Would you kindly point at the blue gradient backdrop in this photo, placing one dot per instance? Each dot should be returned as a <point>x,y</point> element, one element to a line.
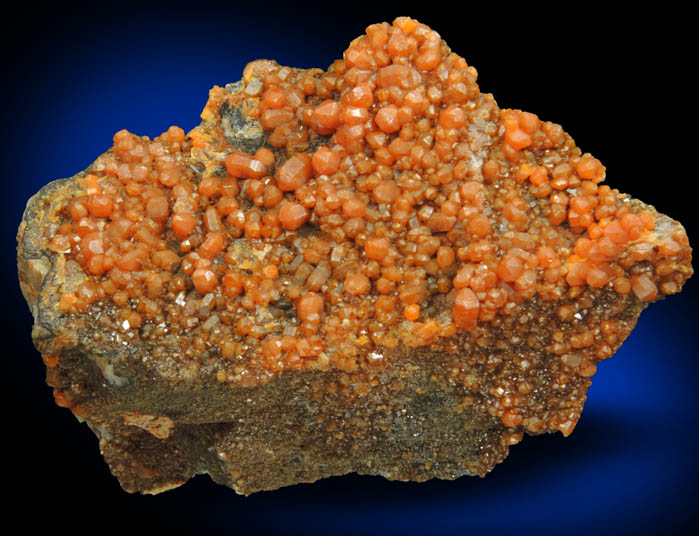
<point>73,77</point>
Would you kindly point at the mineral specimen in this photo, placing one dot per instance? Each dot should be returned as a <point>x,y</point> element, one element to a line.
<point>370,269</point>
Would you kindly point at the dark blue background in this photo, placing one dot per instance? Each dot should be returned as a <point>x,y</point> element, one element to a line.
<point>75,76</point>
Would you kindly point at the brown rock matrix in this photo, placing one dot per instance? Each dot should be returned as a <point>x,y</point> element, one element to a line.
<point>371,269</point>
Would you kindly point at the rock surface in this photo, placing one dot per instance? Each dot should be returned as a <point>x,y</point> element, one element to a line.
<point>372,269</point>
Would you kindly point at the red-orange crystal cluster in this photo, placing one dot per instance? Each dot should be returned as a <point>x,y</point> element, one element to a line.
<point>386,203</point>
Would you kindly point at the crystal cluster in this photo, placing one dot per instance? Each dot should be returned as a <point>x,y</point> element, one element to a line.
<point>345,227</point>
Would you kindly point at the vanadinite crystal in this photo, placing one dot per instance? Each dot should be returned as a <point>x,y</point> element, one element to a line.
<point>370,269</point>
